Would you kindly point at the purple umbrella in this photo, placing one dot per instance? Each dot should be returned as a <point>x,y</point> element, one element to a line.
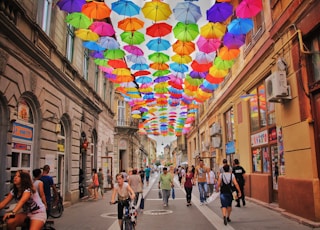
<point>133,50</point>
<point>234,41</point>
<point>219,12</point>
<point>97,54</point>
<point>71,6</point>
<point>161,79</point>
<point>198,75</point>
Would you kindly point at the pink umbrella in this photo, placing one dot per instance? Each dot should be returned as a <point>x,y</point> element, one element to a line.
<point>208,45</point>
<point>102,28</point>
<point>133,50</point>
<point>248,8</point>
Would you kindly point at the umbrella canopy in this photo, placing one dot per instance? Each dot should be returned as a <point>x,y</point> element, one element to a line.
<point>159,66</point>
<point>183,48</point>
<point>139,67</point>
<point>126,8</point>
<point>156,10</point>
<point>213,30</point>
<point>198,74</point>
<point>208,45</point>
<point>133,50</point>
<point>185,32</point>
<point>117,63</point>
<point>142,73</point>
<point>234,41</point>
<point>248,8</point>
<point>132,38</point>
<point>200,67</point>
<point>228,54</point>
<point>160,73</point>
<point>137,59</point>
<point>181,59</point>
<point>215,72</point>
<point>158,44</point>
<point>92,46</point>
<point>102,28</point>
<point>205,58</point>
<point>96,10</point>
<point>223,64</point>
<point>86,35</point>
<point>240,25</point>
<point>159,57</point>
<point>78,20</point>
<point>143,80</point>
<point>159,29</point>
<point>114,54</point>
<point>182,68</point>
<point>187,12</point>
<point>130,24</point>
<point>71,6</point>
<point>108,43</point>
<point>219,12</point>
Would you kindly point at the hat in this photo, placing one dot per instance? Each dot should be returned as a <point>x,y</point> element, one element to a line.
<point>164,168</point>
<point>224,161</point>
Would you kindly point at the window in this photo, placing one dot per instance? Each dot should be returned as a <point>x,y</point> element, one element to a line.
<point>86,59</point>
<point>70,42</point>
<point>44,15</point>
<point>104,94</point>
<point>96,79</point>
<point>121,113</point>
<point>254,34</point>
<point>258,112</point>
<point>229,119</point>
<point>315,58</point>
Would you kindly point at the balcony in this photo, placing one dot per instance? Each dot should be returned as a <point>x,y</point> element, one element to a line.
<point>126,127</point>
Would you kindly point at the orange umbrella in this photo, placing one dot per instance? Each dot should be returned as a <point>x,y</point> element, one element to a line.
<point>123,78</point>
<point>159,66</point>
<point>213,30</point>
<point>183,48</point>
<point>213,79</point>
<point>96,10</point>
<point>130,24</point>
<point>228,54</point>
<point>86,35</point>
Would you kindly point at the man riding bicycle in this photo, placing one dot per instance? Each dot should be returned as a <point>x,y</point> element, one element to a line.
<point>124,192</point>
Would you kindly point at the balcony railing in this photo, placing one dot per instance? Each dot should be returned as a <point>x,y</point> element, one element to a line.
<point>128,124</point>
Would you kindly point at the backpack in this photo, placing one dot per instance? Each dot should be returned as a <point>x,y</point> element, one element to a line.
<point>226,188</point>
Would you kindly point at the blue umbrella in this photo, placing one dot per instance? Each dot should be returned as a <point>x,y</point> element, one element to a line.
<point>93,46</point>
<point>127,8</point>
<point>240,25</point>
<point>187,12</point>
<point>143,80</point>
<point>219,12</point>
<point>158,44</point>
<point>182,68</point>
<point>108,43</point>
<point>139,66</point>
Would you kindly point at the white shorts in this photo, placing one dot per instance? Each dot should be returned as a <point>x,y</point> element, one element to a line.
<point>42,216</point>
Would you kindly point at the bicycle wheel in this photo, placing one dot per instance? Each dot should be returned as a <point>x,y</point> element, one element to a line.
<point>56,209</point>
<point>128,225</point>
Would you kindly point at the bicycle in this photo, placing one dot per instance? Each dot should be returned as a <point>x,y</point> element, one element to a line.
<point>129,215</point>
<point>56,207</point>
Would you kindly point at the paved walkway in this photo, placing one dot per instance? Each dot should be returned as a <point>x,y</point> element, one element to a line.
<point>101,215</point>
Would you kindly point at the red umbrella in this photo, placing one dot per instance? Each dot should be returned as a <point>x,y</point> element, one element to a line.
<point>159,29</point>
<point>200,67</point>
<point>117,63</point>
<point>142,73</point>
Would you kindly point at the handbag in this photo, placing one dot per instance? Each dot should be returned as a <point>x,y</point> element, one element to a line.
<point>173,194</point>
<point>160,194</point>
<point>142,203</point>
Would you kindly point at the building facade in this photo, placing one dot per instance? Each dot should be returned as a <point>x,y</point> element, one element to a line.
<point>273,132</point>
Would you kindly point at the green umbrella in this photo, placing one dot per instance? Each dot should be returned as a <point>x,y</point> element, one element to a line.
<point>101,62</point>
<point>161,73</point>
<point>132,38</point>
<point>78,20</point>
<point>186,32</point>
<point>223,64</point>
<point>159,57</point>
<point>114,54</point>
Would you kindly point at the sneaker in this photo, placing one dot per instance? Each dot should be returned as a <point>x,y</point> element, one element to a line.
<point>238,205</point>
<point>205,202</point>
<point>225,220</point>
<point>165,205</point>
<point>201,203</point>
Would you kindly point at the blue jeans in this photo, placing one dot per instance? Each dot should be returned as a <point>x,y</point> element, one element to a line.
<point>203,188</point>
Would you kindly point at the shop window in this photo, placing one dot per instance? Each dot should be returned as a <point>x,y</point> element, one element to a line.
<point>229,120</point>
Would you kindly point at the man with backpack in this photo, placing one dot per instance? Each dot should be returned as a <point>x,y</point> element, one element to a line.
<point>238,172</point>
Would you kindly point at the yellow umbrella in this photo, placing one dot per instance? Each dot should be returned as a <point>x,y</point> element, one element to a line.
<point>137,116</point>
<point>146,90</point>
<point>213,30</point>
<point>121,71</point>
<point>156,10</point>
<point>86,35</point>
<point>214,71</point>
<point>228,54</point>
<point>181,59</point>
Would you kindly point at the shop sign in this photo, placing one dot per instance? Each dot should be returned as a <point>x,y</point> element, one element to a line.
<point>19,146</point>
<point>22,132</point>
<point>259,138</point>
<point>60,148</point>
<point>230,147</point>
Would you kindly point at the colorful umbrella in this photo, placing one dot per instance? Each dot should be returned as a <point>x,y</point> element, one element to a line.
<point>92,46</point>
<point>97,54</point>
<point>205,58</point>
<point>183,48</point>
<point>86,35</point>
<point>139,67</point>
<point>144,80</point>
<point>159,66</point>
<point>96,10</point>
<point>198,74</point>
<point>142,73</point>
<point>133,50</point>
<point>130,24</point>
<point>185,32</point>
<point>78,20</point>
<point>160,73</point>
<point>234,41</point>
<point>159,29</point>
<point>137,59</point>
<point>223,64</point>
<point>219,12</point>
<point>200,67</point>
<point>215,72</point>
<point>213,30</point>
<point>208,45</point>
<point>121,71</point>
<point>101,62</point>
<point>71,6</point>
<point>132,38</point>
<point>156,10</point>
<point>228,54</point>
<point>114,54</point>
<point>181,59</point>
<point>117,63</point>
<point>126,8</point>
<point>108,43</point>
<point>161,79</point>
<point>102,28</point>
<point>182,68</point>
<point>159,57</point>
<point>240,25</point>
<point>248,8</point>
<point>187,12</point>
<point>158,44</point>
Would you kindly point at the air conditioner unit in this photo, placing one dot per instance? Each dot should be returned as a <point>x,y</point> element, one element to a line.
<point>216,141</point>
<point>215,129</point>
<point>276,86</point>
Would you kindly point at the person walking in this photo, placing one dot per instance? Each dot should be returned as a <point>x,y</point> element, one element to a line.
<point>211,180</point>
<point>201,174</point>
<point>165,183</point>
<point>188,184</point>
<point>225,182</point>
<point>48,185</point>
<point>147,173</point>
<point>28,199</point>
<point>141,172</point>
<point>93,187</point>
<point>38,184</point>
<point>239,172</point>
<point>136,184</point>
<point>101,179</point>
